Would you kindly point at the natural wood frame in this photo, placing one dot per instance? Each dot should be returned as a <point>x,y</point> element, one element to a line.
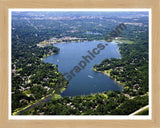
<point>6,4</point>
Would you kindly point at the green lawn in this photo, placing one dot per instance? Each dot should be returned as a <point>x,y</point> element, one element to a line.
<point>144,112</point>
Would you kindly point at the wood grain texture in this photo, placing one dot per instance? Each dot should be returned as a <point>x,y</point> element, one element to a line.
<point>6,4</point>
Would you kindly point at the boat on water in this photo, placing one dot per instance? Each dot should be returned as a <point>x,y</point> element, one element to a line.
<point>90,76</point>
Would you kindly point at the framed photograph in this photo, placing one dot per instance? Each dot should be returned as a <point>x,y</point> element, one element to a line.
<point>85,64</point>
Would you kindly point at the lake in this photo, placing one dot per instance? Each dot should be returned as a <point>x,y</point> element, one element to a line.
<point>86,81</point>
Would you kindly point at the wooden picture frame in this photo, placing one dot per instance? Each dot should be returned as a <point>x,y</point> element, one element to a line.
<point>4,55</point>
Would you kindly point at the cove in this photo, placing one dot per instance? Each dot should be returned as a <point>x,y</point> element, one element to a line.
<point>86,81</point>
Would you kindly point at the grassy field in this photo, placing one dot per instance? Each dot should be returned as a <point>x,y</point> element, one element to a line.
<point>144,112</point>
<point>124,41</point>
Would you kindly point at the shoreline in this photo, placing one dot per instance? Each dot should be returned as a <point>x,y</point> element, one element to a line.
<point>19,110</point>
<point>116,41</point>
<point>48,55</point>
<point>108,74</point>
<point>104,72</point>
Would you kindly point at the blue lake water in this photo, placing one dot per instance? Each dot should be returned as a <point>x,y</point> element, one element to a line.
<point>86,81</point>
